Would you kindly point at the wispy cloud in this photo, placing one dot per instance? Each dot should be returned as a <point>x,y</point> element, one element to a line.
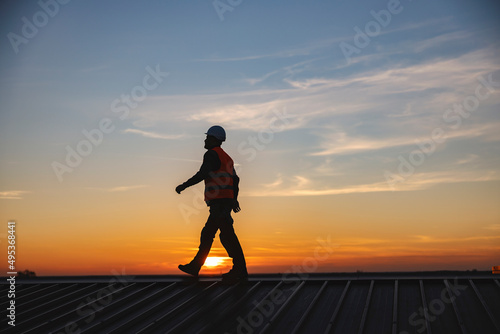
<point>493,227</point>
<point>126,188</point>
<point>441,40</point>
<point>278,182</point>
<point>313,47</point>
<point>303,186</point>
<point>456,73</point>
<point>405,113</point>
<point>286,71</point>
<point>243,58</point>
<point>119,189</point>
<point>308,83</point>
<point>434,239</point>
<point>253,81</point>
<point>301,50</point>
<point>415,89</point>
<point>338,142</point>
<point>13,194</point>
<point>254,117</point>
<point>468,159</point>
<point>154,134</point>
<point>439,21</point>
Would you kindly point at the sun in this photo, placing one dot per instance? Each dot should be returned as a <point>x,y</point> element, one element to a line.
<point>214,261</point>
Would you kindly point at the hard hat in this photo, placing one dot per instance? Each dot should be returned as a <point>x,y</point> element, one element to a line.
<point>217,132</point>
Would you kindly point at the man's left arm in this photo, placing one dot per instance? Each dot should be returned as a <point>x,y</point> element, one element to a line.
<point>236,190</point>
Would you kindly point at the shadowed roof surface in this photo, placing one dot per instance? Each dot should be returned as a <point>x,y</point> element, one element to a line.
<point>437,302</point>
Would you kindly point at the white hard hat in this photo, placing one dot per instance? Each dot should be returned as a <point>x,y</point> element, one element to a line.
<point>217,132</point>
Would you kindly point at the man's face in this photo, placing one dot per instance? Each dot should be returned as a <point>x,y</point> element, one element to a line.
<point>211,142</point>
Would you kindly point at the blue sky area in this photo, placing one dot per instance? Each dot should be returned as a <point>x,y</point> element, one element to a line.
<point>262,56</point>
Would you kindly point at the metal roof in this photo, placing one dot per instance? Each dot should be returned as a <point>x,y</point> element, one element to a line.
<point>449,302</point>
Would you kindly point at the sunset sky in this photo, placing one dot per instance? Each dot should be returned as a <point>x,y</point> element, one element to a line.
<point>365,133</point>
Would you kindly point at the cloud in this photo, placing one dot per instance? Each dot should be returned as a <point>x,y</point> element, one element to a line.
<point>468,159</point>
<point>253,81</point>
<point>433,239</point>
<point>351,114</point>
<point>329,168</point>
<point>493,227</point>
<point>418,90</point>
<point>231,59</point>
<point>338,142</point>
<point>457,73</point>
<point>308,83</point>
<point>441,40</point>
<point>324,44</point>
<point>303,50</point>
<point>405,113</point>
<point>254,117</point>
<point>302,186</point>
<point>286,70</point>
<point>119,189</point>
<point>13,194</point>
<point>126,188</point>
<point>153,134</point>
<point>276,183</point>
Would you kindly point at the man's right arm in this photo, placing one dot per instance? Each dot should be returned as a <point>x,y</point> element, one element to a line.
<point>210,161</point>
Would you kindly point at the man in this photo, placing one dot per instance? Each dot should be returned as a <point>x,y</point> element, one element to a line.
<point>221,195</point>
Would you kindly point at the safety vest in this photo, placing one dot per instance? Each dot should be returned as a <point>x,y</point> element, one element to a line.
<point>219,183</point>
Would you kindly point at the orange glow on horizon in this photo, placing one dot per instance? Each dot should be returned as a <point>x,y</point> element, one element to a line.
<point>134,241</point>
<point>374,256</point>
<point>215,261</point>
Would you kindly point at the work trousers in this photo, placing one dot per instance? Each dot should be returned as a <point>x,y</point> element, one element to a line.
<point>220,219</point>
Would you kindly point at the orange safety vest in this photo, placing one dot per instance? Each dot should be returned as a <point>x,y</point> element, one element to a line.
<point>219,183</point>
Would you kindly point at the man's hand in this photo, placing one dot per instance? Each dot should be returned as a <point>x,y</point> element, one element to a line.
<point>180,188</point>
<point>236,206</point>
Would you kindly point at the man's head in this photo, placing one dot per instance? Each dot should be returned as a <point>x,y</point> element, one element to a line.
<point>215,136</point>
<point>211,142</point>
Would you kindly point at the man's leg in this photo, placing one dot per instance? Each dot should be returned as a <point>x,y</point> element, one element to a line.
<point>207,237</point>
<point>231,243</point>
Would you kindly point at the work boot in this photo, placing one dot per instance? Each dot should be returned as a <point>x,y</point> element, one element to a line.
<point>190,269</point>
<point>236,275</point>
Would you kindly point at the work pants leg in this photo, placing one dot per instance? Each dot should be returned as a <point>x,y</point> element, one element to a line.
<point>230,241</point>
<point>207,238</point>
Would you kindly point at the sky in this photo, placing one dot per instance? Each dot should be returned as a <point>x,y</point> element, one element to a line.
<point>365,133</point>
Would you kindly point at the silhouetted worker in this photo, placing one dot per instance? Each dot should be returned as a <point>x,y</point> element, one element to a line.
<point>221,195</point>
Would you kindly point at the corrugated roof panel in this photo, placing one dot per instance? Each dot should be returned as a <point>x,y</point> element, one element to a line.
<point>349,317</point>
<point>297,308</point>
<point>324,308</point>
<point>409,302</point>
<point>379,318</point>
<point>471,311</point>
<point>441,316</point>
<point>364,304</point>
<point>490,299</point>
